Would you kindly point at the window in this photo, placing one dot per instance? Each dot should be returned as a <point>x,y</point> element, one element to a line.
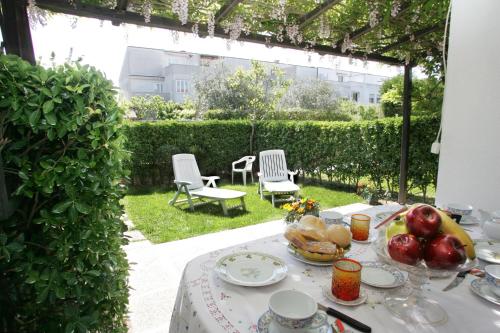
<point>340,77</point>
<point>378,99</point>
<point>371,99</point>
<point>181,86</point>
<point>355,96</point>
<point>159,87</point>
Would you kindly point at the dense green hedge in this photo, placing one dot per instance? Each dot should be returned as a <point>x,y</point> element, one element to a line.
<point>344,151</point>
<point>62,268</point>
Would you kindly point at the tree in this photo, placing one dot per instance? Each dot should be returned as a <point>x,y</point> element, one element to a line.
<point>249,93</point>
<point>427,96</point>
<point>311,94</point>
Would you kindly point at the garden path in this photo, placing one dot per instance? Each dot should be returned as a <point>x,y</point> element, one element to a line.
<point>156,269</point>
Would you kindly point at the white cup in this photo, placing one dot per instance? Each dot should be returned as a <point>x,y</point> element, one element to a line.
<point>331,217</point>
<point>292,309</point>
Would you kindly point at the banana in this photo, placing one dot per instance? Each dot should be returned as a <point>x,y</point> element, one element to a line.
<point>450,227</point>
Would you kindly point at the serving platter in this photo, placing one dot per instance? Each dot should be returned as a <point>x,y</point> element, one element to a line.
<point>301,258</point>
<point>251,269</point>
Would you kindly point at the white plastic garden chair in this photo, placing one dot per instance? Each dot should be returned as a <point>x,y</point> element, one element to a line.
<point>246,169</point>
<point>273,176</point>
<point>190,182</point>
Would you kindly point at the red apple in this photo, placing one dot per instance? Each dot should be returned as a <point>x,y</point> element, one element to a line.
<point>444,252</point>
<point>405,248</point>
<point>423,221</point>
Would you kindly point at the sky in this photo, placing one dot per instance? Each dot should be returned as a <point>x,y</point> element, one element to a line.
<point>103,46</point>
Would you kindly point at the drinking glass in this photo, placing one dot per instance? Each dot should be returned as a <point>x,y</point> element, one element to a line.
<point>360,226</point>
<point>346,279</point>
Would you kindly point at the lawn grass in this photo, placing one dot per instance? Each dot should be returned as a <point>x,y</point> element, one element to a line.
<point>160,222</point>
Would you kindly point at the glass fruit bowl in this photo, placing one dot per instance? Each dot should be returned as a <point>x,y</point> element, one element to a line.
<point>411,303</point>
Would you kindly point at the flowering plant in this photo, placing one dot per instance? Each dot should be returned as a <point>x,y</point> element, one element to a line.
<point>299,208</point>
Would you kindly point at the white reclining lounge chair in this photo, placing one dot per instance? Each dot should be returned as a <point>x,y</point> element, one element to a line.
<point>273,176</point>
<point>190,182</point>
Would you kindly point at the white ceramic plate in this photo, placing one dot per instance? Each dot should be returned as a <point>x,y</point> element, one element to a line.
<point>481,288</point>
<point>489,253</point>
<point>380,275</point>
<point>265,324</point>
<point>251,269</point>
<point>307,261</point>
<point>327,292</point>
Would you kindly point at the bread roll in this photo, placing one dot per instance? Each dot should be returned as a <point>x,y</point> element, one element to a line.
<point>312,222</point>
<point>339,235</point>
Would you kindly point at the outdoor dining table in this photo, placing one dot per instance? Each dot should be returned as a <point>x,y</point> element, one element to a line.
<point>205,303</point>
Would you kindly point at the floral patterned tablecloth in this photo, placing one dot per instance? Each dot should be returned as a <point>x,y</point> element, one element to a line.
<point>205,303</point>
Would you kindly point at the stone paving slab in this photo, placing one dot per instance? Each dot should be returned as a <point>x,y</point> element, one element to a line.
<point>156,269</point>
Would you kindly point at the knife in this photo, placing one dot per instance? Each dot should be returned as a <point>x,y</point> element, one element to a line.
<point>346,319</point>
<point>457,280</point>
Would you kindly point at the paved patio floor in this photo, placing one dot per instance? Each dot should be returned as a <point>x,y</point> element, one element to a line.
<point>155,270</point>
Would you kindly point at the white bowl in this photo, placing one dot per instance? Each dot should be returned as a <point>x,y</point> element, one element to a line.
<point>493,278</point>
<point>459,209</point>
<point>331,217</point>
<point>292,309</point>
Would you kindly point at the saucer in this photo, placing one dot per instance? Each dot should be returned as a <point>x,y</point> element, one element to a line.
<point>327,292</point>
<point>265,324</point>
<point>469,220</point>
<point>368,241</point>
<point>481,288</point>
<point>489,253</point>
<point>380,275</point>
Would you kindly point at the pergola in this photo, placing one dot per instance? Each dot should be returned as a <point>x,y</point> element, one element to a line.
<point>394,32</point>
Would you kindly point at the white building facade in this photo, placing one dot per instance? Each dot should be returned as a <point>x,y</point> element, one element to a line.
<point>172,74</point>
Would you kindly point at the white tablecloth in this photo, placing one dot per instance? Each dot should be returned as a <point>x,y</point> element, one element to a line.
<point>207,304</point>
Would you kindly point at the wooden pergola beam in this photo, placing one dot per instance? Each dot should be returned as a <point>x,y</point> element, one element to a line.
<point>356,34</point>
<point>225,10</point>
<point>121,5</point>
<point>16,30</point>
<point>405,136</point>
<point>367,28</point>
<point>308,18</point>
<point>102,13</point>
<point>414,36</point>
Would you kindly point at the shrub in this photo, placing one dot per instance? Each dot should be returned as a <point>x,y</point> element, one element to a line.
<point>427,96</point>
<point>308,114</point>
<point>157,108</point>
<point>343,151</point>
<point>62,268</point>
<point>216,144</point>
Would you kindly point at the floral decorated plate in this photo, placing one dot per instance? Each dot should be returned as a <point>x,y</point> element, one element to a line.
<point>488,253</point>
<point>251,269</point>
<point>266,324</point>
<point>327,292</point>
<point>481,288</point>
<point>380,275</point>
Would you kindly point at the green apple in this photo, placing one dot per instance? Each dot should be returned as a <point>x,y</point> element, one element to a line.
<point>396,227</point>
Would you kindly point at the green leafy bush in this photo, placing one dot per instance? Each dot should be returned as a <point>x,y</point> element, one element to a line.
<point>343,151</point>
<point>427,96</point>
<point>62,268</point>
<point>156,108</point>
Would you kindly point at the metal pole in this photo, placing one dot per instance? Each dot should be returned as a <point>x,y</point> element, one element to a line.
<point>16,29</point>
<point>405,136</point>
